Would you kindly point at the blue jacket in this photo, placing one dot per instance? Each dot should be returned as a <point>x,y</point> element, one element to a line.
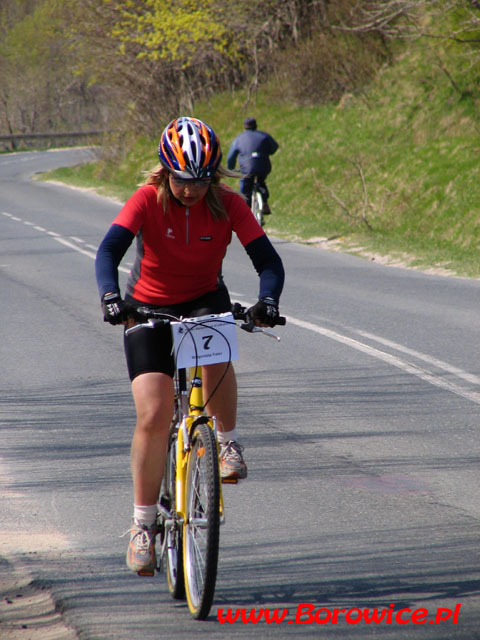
<point>253,149</point>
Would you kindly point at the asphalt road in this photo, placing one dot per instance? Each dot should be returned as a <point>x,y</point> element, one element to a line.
<point>361,433</point>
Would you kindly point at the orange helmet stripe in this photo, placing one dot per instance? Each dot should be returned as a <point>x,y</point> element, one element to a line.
<point>176,146</point>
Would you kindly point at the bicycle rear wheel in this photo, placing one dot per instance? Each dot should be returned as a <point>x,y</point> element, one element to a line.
<point>257,206</point>
<point>173,549</point>
<point>202,525</point>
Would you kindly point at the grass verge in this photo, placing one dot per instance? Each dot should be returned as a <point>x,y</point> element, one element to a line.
<point>392,171</point>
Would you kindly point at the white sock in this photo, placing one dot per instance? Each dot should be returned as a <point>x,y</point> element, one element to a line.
<point>145,514</point>
<point>225,436</point>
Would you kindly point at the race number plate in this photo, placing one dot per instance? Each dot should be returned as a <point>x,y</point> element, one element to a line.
<point>205,340</point>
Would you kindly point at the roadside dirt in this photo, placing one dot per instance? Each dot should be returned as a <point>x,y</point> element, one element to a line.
<point>27,610</point>
<point>403,260</point>
<point>93,190</point>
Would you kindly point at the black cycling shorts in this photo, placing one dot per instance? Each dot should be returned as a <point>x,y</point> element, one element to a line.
<point>150,350</point>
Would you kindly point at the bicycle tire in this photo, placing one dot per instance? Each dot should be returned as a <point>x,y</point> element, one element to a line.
<point>202,523</point>
<point>257,206</point>
<point>174,547</point>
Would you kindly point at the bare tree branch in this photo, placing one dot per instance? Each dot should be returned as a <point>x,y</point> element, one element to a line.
<point>392,19</point>
<point>358,167</point>
<point>365,204</point>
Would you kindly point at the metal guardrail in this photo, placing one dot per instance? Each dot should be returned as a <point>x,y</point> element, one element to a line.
<point>15,138</point>
<point>68,134</point>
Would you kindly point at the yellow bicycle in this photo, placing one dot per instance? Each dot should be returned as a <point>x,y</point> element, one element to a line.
<point>190,505</point>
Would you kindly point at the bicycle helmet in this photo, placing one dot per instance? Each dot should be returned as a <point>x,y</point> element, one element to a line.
<point>189,148</point>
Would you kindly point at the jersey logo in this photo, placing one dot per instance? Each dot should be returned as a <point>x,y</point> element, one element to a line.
<point>206,238</point>
<point>170,234</point>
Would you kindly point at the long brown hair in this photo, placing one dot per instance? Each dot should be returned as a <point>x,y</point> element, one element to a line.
<point>158,176</point>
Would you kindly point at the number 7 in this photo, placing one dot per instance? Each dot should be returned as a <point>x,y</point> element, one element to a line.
<point>206,342</point>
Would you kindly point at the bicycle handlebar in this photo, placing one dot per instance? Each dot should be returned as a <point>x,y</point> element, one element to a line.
<point>239,312</point>
<point>145,313</point>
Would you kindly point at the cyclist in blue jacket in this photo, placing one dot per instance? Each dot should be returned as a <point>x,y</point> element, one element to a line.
<point>253,149</point>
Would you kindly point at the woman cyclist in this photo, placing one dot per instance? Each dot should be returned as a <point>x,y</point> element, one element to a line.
<point>182,218</point>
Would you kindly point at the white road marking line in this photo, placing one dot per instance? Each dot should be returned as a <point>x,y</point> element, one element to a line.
<point>85,252</point>
<point>69,244</point>
<point>427,376</point>
<point>469,377</point>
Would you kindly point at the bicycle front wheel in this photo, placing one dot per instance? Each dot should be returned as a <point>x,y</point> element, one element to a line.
<point>202,524</point>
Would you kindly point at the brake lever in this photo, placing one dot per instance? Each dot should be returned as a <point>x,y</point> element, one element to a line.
<point>268,333</point>
<point>251,328</point>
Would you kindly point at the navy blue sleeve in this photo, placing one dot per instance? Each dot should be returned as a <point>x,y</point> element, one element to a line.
<point>232,155</point>
<point>109,255</point>
<point>273,145</point>
<point>269,267</point>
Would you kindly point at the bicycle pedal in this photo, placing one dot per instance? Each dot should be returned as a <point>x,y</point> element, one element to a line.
<point>146,573</point>
<point>229,480</point>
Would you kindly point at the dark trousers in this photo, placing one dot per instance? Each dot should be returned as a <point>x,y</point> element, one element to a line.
<point>246,187</point>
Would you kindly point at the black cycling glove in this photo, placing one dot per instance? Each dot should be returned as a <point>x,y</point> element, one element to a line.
<point>113,308</point>
<point>265,311</point>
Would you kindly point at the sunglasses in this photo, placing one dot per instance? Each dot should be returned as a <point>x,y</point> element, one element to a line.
<point>190,182</point>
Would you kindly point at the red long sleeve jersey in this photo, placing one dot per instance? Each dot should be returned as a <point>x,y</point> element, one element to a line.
<point>180,251</point>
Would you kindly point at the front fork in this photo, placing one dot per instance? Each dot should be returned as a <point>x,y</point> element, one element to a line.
<point>192,412</point>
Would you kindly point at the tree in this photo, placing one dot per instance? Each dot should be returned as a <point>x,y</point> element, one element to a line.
<point>34,47</point>
<point>161,56</point>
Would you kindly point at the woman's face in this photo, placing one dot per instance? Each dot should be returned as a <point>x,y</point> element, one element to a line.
<point>189,191</point>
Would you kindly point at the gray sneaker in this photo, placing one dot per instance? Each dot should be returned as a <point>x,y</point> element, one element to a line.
<point>232,464</point>
<point>141,549</point>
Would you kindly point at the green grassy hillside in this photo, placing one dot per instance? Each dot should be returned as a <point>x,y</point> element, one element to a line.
<point>393,170</point>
